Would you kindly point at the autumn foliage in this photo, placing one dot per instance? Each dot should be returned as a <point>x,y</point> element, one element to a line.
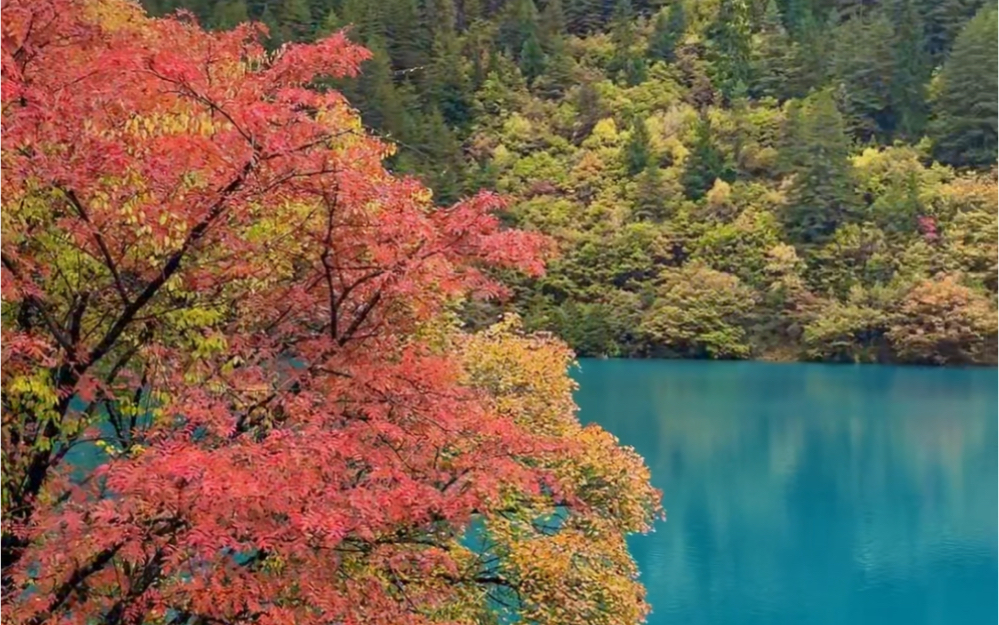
<point>232,392</point>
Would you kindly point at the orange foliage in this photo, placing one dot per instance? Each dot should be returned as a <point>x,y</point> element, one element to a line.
<point>941,321</point>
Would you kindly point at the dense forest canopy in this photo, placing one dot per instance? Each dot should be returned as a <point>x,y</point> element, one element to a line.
<point>726,178</point>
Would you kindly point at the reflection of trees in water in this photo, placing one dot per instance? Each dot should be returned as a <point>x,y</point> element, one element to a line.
<point>838,471</point>
<point>947,464</point>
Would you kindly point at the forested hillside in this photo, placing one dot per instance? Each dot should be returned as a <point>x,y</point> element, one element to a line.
<point>790,179</point>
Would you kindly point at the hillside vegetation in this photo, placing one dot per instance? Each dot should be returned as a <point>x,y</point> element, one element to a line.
<point>792,179</point>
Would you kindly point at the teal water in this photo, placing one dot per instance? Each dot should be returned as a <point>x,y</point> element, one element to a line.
<point>810,494</point>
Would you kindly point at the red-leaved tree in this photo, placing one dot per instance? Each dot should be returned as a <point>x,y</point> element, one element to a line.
<point>230,392</point>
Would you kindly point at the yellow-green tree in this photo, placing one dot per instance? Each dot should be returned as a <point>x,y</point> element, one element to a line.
<point>698,312</point>
<point>558,555</point>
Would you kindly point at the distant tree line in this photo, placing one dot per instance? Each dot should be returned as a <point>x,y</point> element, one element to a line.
<point>727,178</point>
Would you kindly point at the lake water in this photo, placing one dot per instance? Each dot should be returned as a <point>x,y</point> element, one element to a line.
<point>810,494</point>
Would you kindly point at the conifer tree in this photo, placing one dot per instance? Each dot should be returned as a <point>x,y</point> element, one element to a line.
<point>627,63</point>
<point>589,110</point>
<point>442,158</point>
<point>637,152</point>
<point>964,130</point>
<point>705,163</point>
<point>667,32</point>
<point>229,14</point>
<point>862,65</point>
<point>408,41</point>
<point>816,155</point>
<point>650,200</point>
<point>810,48</point>
<point>635,71</point>
<point>378,100</point>
<point>552,23</point>
<point>773,56</point>
<point>269,19</point>
<point>364,19</point>
<point>731,46</point>
<point>584,16</point>
<point>520,22</point>
<point>532,58</point>
<point>943,21</point>
<point>910,72</point>
<point>330,23</point>
<point>447,77</point>
<point>295,20</point>
<point>799,16</point>
<point>559,74</point>
<point>440,16</point>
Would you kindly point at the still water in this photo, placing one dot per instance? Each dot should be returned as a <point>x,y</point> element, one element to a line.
<point>810,494</point>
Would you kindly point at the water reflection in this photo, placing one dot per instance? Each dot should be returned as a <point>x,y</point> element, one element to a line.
<point>811,494</point>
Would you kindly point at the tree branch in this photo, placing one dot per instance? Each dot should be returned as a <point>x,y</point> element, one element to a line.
<point>63,592</point>
<point>37,304</point>
<point>359,318</point>
<point>169,268</point>
<point>105,252</point>
<point>327,268</point>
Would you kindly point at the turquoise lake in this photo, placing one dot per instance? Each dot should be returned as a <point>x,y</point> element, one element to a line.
<point>810,494</point>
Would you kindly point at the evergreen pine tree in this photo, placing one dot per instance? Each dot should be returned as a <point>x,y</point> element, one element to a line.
<point>361,90</point>
<point>559,73</point>
<point>588,110</point>
<point>964,131</point>
<point>552,24</point>
<point>442,158</point>
<point>319,9</point>
<point>650,195</point>
<point>479,45</point>
<point>773,57</point>
<point>910,71</point>
<point>943,21</point>
<point>532,58</point>
<point>202,9</point>
<point>275,34</point>
<point>364,18</point>
<point>809,55</point>
<point>446,84</point>
<point>449,86</point>
<point>667,32</point>
<point>705,163</point>
<point>626,62</point>
<point>378,101</point>
<point>637,152</point>
<point>816,154</point>
<point>295,20</point>
<point>799,15</point>
<point>731,46</point>
<point>584,16</point>
<point>229,14</point>
<point>635,71</point>
<point>862,66</point>
<point>520,22</point>
<point>440,16</point>
<point>408,42</point>
<point>622,23</point>
<point>331,23</point>
<point>470,11</point>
